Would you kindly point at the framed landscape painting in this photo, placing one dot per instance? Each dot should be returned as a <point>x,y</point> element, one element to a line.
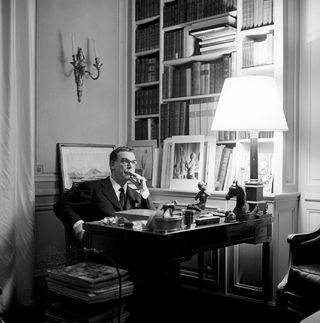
<point>187,162</point>
<point>82,162</point>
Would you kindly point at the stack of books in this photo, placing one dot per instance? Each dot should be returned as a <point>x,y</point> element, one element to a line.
<point>215,38</point>
<point>87,289</point>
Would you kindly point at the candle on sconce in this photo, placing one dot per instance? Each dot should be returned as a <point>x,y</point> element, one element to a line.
<point>95,48</point>
<point>72,43</point>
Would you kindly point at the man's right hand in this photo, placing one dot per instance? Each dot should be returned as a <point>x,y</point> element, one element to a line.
<point>78,229</point>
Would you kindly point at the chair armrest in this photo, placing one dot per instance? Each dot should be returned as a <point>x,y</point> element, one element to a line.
<point>304,247</point>
<point>296,238</point>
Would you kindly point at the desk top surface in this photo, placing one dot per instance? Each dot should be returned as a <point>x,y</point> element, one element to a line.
<point>139,217</point>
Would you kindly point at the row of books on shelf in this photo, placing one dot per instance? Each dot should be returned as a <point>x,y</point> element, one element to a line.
<point>147,37</point>
<point>193,117</point>
<point>147,129</point>
<point>199,38</point>
<point>258,51</point>
<point>186,160</point>
<point>240,135</point>
<point>182,11</point>
<point>227,135</point>
<point>147,8</point>
<point>261,134</point>
<point>147,101</point>
<point>224,172</point>
<point>147,70</point>
<point>256,13</point>
<point>198,78</point>
<point>234,164</point>
<point>178,44</point>
<point>201,113</point>
<point>187,118</point>
<point>174,119</point>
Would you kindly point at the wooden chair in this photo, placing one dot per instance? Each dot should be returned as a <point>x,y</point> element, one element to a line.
<point>299,291</point>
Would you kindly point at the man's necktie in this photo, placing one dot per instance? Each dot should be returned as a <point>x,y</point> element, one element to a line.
<point>122,198</point>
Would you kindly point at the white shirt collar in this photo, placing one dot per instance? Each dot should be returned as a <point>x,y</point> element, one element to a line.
<point>116,186</point>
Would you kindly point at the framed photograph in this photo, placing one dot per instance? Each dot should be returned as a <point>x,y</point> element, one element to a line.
<point>166,163</point>
<point>146,157</point>
<point>187,162</point>
<point>81,162</point>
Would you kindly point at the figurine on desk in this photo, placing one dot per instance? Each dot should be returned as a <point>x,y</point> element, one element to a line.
<point>202,196</point>
<point>168,208</point>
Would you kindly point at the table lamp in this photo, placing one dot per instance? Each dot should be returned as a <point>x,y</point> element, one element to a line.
<point>250,103</point>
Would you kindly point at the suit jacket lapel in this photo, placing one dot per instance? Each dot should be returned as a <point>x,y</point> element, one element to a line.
<point>110,194</point>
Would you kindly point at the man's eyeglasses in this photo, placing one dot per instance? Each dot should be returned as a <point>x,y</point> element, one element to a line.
<point>125,161</point>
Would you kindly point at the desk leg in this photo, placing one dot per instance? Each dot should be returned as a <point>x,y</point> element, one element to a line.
<point>266,277</point>
<point>200,270</point>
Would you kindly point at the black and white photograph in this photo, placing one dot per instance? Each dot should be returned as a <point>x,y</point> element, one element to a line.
<point>159,161</point>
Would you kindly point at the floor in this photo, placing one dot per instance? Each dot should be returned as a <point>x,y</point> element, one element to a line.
<point>192,308</point>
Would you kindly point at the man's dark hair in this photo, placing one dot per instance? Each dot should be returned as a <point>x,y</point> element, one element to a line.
<point>115,152</point>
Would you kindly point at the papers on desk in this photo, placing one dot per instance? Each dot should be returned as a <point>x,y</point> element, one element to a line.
<point>139,217</point>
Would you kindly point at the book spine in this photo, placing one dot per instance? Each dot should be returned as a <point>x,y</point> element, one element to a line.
<point>195,82</point>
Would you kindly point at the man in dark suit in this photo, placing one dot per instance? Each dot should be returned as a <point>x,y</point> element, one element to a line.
<point>97,199</point>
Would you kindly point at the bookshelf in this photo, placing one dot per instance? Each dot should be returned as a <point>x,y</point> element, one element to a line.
<point>199,44</point>
<point>231,271</point>
<point>146,42</point>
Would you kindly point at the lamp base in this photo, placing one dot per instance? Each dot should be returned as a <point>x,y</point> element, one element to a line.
<point>254,195</point>
<point>254,191</point>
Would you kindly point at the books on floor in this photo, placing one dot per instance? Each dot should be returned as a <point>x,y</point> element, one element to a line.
<point>69,312</point>
<point>89,282</point>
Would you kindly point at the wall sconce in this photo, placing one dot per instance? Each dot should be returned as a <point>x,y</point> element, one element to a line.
<point>79,68</point>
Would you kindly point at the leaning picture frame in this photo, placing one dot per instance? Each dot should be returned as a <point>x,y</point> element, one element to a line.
<point>147,158</point>
<point>187,164</point>
<point>82,162</point>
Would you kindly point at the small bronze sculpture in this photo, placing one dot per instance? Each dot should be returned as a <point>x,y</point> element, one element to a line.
<point>202,196</point>
<point>241,203</point>
<point>169,207</point>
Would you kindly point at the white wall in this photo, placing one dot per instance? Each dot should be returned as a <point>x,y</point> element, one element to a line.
<point>60,118</point>
<point>309,130</point>
<point>100,117</point>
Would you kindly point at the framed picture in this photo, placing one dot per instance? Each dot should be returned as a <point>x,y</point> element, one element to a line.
<point>187,162</point>
<point>145,152</point>
<point>81,162</point>
<point>166,163</point>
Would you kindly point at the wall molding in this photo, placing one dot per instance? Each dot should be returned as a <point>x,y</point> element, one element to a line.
<point>312,198</point>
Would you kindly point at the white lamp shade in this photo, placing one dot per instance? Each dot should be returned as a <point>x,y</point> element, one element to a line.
<point>249,103</point>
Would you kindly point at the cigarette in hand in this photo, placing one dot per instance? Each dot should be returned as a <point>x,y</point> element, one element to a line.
<point>136,177</point>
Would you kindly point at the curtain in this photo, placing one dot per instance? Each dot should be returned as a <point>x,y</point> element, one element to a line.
<point>17,142</point>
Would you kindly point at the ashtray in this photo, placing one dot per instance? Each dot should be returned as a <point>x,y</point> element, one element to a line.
<point>167,224</point>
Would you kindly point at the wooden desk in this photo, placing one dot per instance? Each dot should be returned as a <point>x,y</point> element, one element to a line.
<point>149,251</point>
